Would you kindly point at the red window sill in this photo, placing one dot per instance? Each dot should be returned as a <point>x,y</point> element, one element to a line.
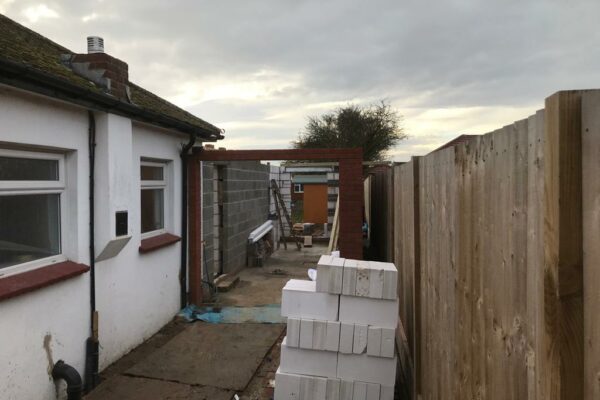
<point>26,282</point>
<point>158,242</point>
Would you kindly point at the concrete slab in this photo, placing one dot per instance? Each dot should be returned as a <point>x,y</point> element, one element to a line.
<point>221,355</point>
<point>121,387</point>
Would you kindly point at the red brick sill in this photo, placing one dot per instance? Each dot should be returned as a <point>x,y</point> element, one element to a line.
<point>158,242</point>
<point>26,282</point>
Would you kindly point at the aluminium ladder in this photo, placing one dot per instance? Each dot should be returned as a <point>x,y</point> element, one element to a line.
<point>280,206</point>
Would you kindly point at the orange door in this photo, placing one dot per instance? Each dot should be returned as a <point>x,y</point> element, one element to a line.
<point>315,203</point>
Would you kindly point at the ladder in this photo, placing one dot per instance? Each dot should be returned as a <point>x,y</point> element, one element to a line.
<point>279,207</point>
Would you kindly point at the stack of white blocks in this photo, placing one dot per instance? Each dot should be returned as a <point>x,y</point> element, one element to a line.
<point>340,333</point>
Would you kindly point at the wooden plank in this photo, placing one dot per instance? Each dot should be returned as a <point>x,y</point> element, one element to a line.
<point>563,275</point>
<point>590,117</point>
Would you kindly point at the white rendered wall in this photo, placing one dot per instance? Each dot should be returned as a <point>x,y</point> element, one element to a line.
<point>136,293</point>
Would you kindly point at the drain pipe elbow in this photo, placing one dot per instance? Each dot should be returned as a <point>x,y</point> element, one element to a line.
<point>70,375</point>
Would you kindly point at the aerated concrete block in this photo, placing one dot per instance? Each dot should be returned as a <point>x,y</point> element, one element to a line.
<point>306,333</point>
<point>374,341</point>
<point>367,311</point>
<point>362,367</point>
<point>376,283</point>
<point>363,273</point>
<point>388,342</point>
<point>373,390</point>
<point>293,332</point>
<point>313,388</point>
<point>308,362</point>
<point>349,277</point>
<point>329,274</point>
<point>360,391</point>
<point>390,278</point>
<point>332,340</point>
<point>319,335</point>
<point>387,393</point>
<point>300,299</point>
<point>333,389</point>
<point>346,389</point>
<point>346,338</point>
<point>287,386</point>
<point>360,339</point>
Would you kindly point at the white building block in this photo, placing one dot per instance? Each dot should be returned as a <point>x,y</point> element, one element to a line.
<point>376,283</point>
<point>293,332</point>
<point>373,390</point>
<point>360,391</point>
<point>313,388</point>
<point>360,339</point>
<point>287,386</point>
<point>346,389</point>
<point>333,389</point>
<point>301,300</point>
<point>374,341</point>
<point>363,273</point>
<point>387,393</point>
<point>319,335</point>
<point>366,311</point>
<point>329,274</point>
<point>306,334</point>
<point>346,338</point>
<point>308,362</point>
<point>390,279</point>
<point>332,339</point>
<point>367,369</point>
<point>388,342</point>
<point>349,277</point>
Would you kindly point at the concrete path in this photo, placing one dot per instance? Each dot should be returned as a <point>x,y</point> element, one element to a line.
<point>200,361</point>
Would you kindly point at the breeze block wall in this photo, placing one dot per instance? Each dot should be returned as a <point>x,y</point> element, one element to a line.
<point>245,207</point>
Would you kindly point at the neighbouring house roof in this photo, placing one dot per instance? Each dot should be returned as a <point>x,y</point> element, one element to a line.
<point>315,178</point>
<point>32,62</point>
<point>456,141</point>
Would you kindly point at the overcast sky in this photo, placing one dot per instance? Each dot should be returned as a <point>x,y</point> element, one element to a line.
<point>259,68</point>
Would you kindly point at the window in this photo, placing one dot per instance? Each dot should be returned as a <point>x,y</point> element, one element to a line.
<point>31,189</point>
<point>153,189</point>
<point>298,188</point>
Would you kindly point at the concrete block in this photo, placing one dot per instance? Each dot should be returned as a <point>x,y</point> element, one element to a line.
<point>363,274</point>
<point>306,334</point>
<point>349,277</point>
<point>388,342</point>
<point>301,300</point>
<point>332,339</point>
<point>360,339</point>
<point>308,362</point>
<point>333,389</point>
<point>330,274</point>
<point>361,367</point>
<point>360,391</point>
<point>346,338</point>
<point>313,388</point>
<point>374,341</point>
<point>390,278</point>
<point>293,332</point>
<point>319,335</point>
<point>376,283</point>
<point>287,386</point>
<point>387,393</point>
<point>366,311</point>
<point>346,389</point>
<point>373,390</point>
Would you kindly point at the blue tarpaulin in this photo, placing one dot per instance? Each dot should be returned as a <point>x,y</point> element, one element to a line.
<point>267,314</point>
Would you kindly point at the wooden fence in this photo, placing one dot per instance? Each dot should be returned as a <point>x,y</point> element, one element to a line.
<point>497,242</point>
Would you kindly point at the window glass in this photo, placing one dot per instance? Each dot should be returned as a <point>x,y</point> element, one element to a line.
<point>28,169</point>
<point>29,228</point>
<point>151,173</point>
<point>152,210</point>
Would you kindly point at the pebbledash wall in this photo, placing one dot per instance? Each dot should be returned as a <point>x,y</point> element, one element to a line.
<point>136,293</point>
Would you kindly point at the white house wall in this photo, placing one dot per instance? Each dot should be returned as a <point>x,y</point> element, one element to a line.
<point>136,293</point>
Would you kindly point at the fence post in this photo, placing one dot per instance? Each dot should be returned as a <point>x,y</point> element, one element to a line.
<point>562,337</point>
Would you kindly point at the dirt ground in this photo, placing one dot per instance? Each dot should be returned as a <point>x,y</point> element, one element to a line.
<point>129,379</point>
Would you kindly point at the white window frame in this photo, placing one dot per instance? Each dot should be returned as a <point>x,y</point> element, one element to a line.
<point>301,188</point>
<point>163,184</point>
<point>13,188</point>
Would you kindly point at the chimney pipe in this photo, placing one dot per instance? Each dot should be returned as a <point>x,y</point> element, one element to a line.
<point>95,44</point>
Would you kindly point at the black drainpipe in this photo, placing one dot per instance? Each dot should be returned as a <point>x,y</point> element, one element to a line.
<point>184,218</point>
<point>92,345</point>
<point>71,377</point>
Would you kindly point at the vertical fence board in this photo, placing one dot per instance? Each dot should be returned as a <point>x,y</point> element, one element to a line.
<point>590,105</point>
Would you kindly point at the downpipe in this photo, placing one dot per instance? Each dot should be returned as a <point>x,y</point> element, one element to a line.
<point>184,219</point>
<point>64,371</point>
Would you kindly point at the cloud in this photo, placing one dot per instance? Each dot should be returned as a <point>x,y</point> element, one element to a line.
<point>40,11</point>
<point>260,68</point>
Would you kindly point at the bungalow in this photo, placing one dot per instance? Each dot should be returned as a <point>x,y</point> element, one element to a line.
<point>92,210</point>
